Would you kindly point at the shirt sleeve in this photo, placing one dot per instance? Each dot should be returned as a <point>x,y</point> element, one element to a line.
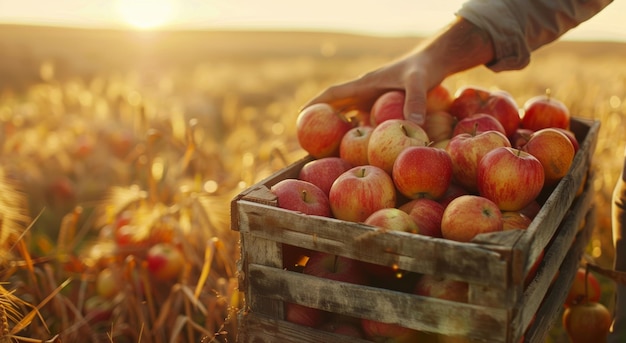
<point>518,27</point>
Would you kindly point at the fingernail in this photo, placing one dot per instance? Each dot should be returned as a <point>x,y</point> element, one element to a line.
<point>417,118</point>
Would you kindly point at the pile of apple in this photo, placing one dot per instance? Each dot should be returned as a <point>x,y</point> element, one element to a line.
<point>477,165</point>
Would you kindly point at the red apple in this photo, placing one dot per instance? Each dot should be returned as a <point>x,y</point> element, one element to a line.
<point>466,150</point>
<point>467,101</point>
<point>390,105</point>
<point>515,220</point>
<point>320,128</point>
<point>534,268</point>
<point>442,288</point>
<point>477,123</point>
<point>509,177</point>
<point>165,261</point>
<point>571,136</point>
<point>389,138</point>
<point>439,125</point>
<point>531,210</point>
<point>502,106</point>
<point>438,99</point>
<point>427,214</point>
<point>454,191</point>
<point>555,152</point>
<point>422,172</point>
<point>361,191</point>
<point>301,196</point>
<point>324,171</point>
<point>345,328</point>
<point>470,215</point>
<point>543,111</point>
<point>353,147</point>
<point>303,315</point>
<point>587,322</point>
<point>520,137</point>
<point>579,292</point>
<point>335,267</point>
<point>392,219</point>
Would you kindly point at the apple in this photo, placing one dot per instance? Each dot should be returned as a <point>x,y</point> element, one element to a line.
<point>302,196</point>
<point>470,215</point>
<point>335,267</point>
<point>422,172</point>
<point>165,261</point>
<point>107,283</point>
<point>571,136</point>
<point>361,191</point>
<point>534,268</point>
<point>441,287</point>
<point>555,152</point>
<point>531,210</point>
<point>502,106</point>
<point>353,146</point>
<point>454,191</point>
<point>390,105</point>
<point>304,315</point>
<point>515,220</point>
<point>320,128</point>
<point>379,331</point>
<point>389,138</point>
<point>509,177</point>
<point>466,150</point>
<point>427,214</point>
<point>392,219</point>
<point>476,123</point>
<point>587,322</point>
<point>324,171</point>
<point>438,99</point>
<point>467,101</point>
<point>520,137</point>
<point>580,292</point>
<point>543,111</point>
<point>439,125</point>
<point>345,328</point>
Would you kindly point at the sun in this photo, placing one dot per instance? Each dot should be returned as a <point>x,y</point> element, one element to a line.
<point>146,14</point>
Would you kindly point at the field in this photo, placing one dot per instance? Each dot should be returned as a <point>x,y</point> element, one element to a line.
<point>115,141</point>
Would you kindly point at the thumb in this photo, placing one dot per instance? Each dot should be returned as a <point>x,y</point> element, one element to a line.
<point>415,101</point>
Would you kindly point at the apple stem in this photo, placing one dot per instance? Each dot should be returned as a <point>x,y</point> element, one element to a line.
<point>475,131</point>
<point>362,172</point>
<point>304,195</point>
<point>548,93</point>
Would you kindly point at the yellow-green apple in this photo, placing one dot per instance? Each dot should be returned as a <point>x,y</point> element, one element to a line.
<point>441,144</point>
<point>555,152</point>
<point>467,149</point>
<point>422,172</point>
<point>477,123</point>
<point>323,172</point>
<point>379,331</point>
<point>587,322</point>
<point>427,214</point>
<point>353,146</point>
<point>304,315</point>
<point>509,177</point>
<point>470,215</point>
<point>439,125</point>
<point>320,128</point>
<point>361,191</point>
<point>543,111</point>
<point>438,98</point>
<point>468,100</point>
<point>515,220</point>
<point>389,105</point>
<point>302,196</point>
<point>580,292</point>
<point>389,138</point>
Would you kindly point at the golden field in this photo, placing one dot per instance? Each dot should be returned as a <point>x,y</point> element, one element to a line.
<point>168,127</point>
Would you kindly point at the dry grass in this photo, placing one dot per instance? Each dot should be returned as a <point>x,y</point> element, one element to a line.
<point>169,130</point>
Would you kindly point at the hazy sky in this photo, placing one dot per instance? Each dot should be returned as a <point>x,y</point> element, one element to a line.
<point>390,17</point>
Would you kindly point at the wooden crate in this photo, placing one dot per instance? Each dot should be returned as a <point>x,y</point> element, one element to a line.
<point>500,307</point>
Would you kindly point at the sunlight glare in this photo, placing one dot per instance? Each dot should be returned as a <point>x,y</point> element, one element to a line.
<point>146,14</point>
